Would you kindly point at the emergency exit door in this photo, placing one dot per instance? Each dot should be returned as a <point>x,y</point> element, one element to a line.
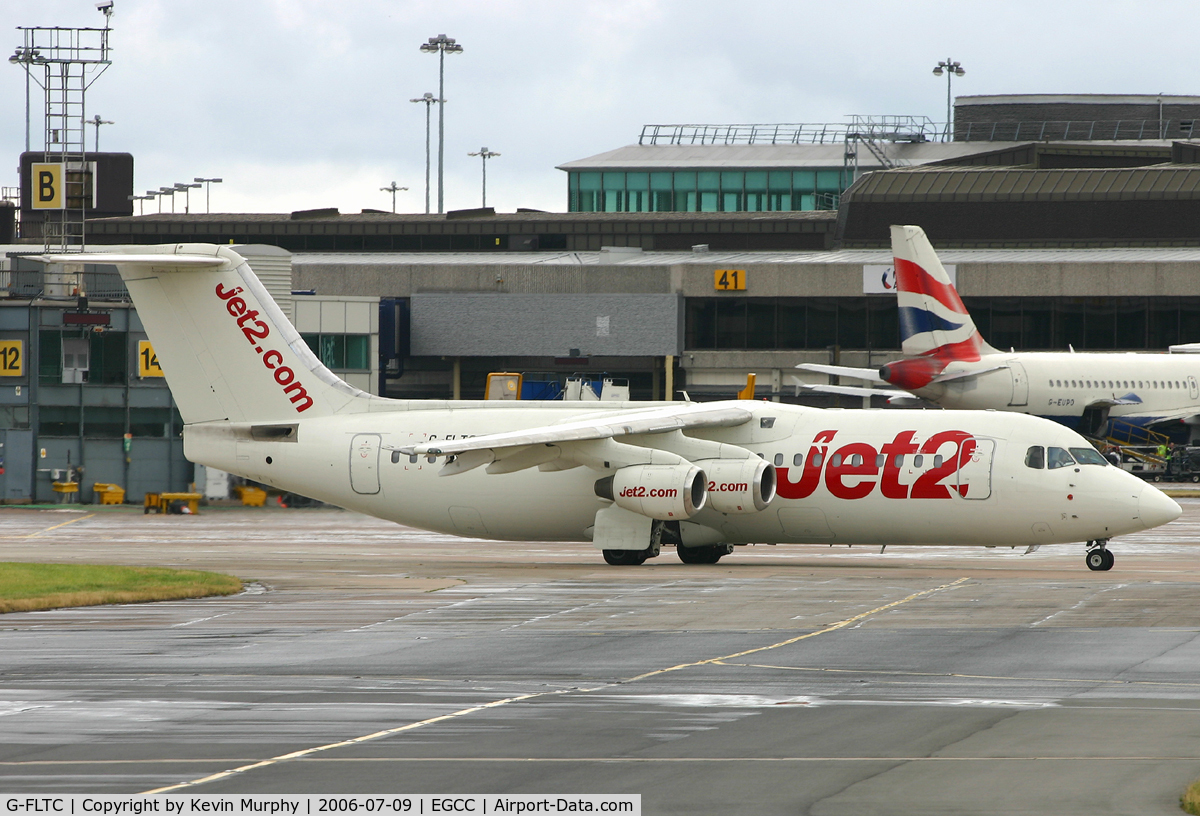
<point>1020,384</point>
<point>364,463</point>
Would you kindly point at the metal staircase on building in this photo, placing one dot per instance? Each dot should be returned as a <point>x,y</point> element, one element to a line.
<point>71,59</point>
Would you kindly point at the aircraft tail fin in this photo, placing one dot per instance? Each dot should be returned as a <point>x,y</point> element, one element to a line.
<point>226,348</point>
<point>933,319</point>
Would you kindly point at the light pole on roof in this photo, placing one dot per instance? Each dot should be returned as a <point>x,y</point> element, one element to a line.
<point>393,189</point>
<point>429,102</point>
<point>484,155</point>
<point>206,182</point>
<point>951,69</point>
<point>441,45</point>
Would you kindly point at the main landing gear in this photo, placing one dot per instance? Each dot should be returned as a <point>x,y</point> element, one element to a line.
<point>702,555</point>
<point>1099,557</point>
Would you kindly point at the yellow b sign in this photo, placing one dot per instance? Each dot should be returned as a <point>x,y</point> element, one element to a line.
<point>147,360</point>
<point>12,358</point>
<point>46,187</point>
<point>729,279</point>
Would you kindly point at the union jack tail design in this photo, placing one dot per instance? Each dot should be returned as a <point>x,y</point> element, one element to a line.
<point>933,320</point>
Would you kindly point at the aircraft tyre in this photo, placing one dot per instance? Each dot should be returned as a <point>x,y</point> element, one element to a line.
<point>703,555</point>
<point>625,558</point>
<point>1100,559</point>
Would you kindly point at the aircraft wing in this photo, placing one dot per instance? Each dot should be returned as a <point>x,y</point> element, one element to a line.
<point>866,374</point>
<point>859,391</point>
<point>569,444</point>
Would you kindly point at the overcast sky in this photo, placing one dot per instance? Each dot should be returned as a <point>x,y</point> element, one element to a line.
<point>300,104</point>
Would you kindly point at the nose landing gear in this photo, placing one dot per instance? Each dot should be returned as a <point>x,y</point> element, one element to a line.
<point>1099,557</point>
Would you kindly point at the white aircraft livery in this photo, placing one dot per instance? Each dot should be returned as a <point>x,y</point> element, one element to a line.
<point>628,476</point>
<point>949,363</point>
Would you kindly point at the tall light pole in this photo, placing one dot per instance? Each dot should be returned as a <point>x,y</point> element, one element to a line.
<point>155,194</point>
<point>951,69</point>
<point>484,154</point>
<point>206,183</point>
<point>140,199</point>
<point>171,191</point>
<point>186,189</point>
<point>26,57</point>
<point>96,121</point>
<point>441,45</point>
<point>429,102</point>
<point>393,189</point>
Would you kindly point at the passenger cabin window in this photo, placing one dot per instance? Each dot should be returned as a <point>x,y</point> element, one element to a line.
<point>1059,458</point>
<point>1088,456</point>
<point>779,460</point>
<point>1035,457</point>
<point>798,460</point>
<point>918,460</point>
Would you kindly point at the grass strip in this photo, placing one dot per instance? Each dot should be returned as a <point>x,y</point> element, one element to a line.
<point>29,587</point>
<point>1190,801</point>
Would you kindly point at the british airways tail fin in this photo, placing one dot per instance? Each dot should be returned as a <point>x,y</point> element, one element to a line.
<point>933,320</point>
<point>225,347</point>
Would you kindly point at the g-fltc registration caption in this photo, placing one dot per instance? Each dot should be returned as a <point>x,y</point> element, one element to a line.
<point>318,805</point>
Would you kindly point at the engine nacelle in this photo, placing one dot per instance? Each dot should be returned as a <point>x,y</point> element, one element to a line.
<point>739,485</point>
<point>666,492</point>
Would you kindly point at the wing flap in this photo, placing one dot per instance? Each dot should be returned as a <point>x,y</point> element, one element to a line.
<point>865,374</point>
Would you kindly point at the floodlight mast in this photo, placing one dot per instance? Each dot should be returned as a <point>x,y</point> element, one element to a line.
<point>484,154</point>
<point>96,121</point>
<point>393,189</point>
<point>441,45</point>
<point>429,101</point>
<point>951,69</point>
<point>206,182</point>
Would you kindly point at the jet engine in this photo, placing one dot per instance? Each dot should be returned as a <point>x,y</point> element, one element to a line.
<point>739,485</point>
<point>666,492</point>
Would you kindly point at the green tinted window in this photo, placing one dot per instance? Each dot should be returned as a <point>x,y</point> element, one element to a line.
<point>637,181</point>
<point>708,180</point>
<point>153,422</point>
<point>58,420</point>
<point>756,180</point>
<point>685,180</point>
<point>804,181</point>
<point>333,350</point>
<point>778,180</point>
<point>732,181</point>
<point>829,181</point>
<point>614,181</point>
<point>358,348</point>
<point>708,202</point>
<point>572,181</point>
<point>103,423</point>
<point>589,181</point>
<point>660,181</point>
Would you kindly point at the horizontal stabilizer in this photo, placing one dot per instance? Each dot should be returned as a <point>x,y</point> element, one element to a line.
<point>895,397</point>
<point>865,374</point>
<point>962,375</point>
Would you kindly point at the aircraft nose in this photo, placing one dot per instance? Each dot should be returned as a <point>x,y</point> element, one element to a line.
<point>1156,507</point>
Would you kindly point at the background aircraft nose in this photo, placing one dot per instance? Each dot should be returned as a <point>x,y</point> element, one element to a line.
<point>1156,507</point>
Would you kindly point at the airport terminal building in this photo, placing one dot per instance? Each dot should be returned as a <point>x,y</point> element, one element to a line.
<point>678,266</point>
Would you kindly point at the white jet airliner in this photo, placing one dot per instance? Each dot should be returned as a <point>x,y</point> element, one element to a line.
<point>949,363</point>
<point>628,476</point>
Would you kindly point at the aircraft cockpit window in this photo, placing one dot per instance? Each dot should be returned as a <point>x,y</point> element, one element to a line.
<point>1035,457</point>
<point>798,460</point>
<point>1088,456</point>
<point>1059,458</point>
<point>778,460</point>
